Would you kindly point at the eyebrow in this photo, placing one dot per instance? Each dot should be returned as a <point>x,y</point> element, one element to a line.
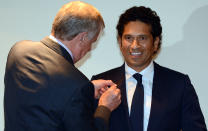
<point>135,35</point>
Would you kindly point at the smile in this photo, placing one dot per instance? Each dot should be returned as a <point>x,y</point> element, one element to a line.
<point>136,53</point>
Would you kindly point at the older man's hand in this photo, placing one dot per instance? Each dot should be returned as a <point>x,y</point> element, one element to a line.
<point>110,98</point>
<point>101,86</point>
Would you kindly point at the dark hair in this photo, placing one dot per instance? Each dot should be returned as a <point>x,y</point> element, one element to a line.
<point>142,14</point>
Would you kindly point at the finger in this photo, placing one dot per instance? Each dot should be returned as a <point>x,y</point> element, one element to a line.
<point>113,87</point>
<point>119,97</point>
<point>117,91</point>
<point>119,102</point>
<point>109,82</point>
<point>104,89</point>
<point>98,96</point>
<point>101,92</point>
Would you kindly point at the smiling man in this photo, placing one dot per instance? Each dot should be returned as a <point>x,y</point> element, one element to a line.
<point>154,98</point>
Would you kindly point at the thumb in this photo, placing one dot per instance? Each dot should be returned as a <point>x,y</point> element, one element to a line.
<point>113,87</point>
<point>108,83</point>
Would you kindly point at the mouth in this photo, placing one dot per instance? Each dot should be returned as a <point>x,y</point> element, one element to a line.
<point>135,53</point>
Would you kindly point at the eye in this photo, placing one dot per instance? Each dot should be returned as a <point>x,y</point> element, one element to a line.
<point>129,38</point>
<point>143,37</point>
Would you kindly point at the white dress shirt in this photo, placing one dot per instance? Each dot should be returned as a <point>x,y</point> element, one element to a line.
<point>147,81</point>
<point>59,42</point>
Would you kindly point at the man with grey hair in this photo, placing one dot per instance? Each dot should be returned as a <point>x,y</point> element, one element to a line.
<point>44,91</point>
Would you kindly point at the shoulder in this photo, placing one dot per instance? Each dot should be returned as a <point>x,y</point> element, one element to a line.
<point>22,48</point>
<point>21,53</point>
<point>24,44</point>
<point>171,77</point>
<point>109,74</point>
<point>167,71</point>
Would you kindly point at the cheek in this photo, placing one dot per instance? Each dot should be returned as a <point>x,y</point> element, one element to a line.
<point>87,48</point>
<point>124,46</point>
<point>149,47</point>
<point>124,50</point>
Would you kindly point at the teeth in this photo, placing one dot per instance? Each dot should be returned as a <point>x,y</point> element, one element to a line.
<point>136,53</point>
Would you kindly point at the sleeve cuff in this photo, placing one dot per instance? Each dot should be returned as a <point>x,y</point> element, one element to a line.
<point>103,113</point>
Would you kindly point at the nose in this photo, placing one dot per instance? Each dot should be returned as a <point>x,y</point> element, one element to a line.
<point>135,44</point>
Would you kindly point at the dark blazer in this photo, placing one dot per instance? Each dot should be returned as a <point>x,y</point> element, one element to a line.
<point>44,91</point>
<point>175,104</point>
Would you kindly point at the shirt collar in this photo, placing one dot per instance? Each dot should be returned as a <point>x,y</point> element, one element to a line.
<point>147,72</point>
<point>61,44</point>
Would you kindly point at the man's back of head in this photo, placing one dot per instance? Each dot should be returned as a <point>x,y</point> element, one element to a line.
<point>77,17</point>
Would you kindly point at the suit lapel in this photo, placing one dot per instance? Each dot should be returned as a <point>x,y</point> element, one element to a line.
<point>123,108</point>
<point>122,87</point>
<point>57,48</point>
<point>156,99</point>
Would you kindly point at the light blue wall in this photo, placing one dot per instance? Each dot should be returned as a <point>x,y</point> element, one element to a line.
<point>185,34</point>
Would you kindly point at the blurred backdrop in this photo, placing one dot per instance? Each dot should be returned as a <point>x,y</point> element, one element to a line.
<point>184,46</point>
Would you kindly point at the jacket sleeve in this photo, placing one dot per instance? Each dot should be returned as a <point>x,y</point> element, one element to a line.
<point>192,117</point>
<point>80,115</point>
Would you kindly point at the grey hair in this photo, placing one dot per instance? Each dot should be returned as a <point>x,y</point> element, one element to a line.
<point>77,17</point>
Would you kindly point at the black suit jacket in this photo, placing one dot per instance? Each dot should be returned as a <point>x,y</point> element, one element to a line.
<point>44,91</point>
<point>175,104</point>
